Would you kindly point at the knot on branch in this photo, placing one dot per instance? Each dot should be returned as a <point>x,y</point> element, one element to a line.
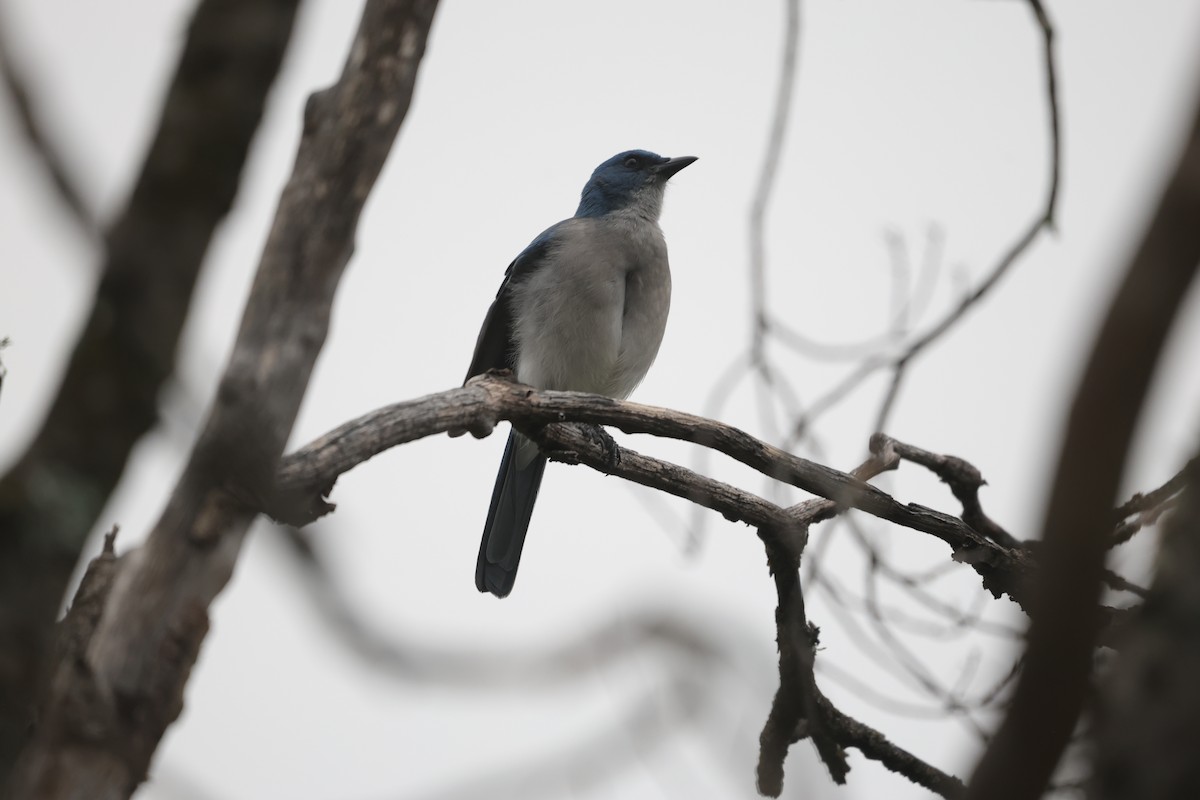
<point>300,506</point>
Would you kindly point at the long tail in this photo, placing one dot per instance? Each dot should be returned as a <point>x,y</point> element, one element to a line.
<point>508,517</point>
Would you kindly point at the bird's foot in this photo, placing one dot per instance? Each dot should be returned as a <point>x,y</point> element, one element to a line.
<point>601,437</point>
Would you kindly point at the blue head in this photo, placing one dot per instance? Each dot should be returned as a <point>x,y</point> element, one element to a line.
<point>632,181</point>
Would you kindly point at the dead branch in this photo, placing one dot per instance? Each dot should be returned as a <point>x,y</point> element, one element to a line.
<point>1075,533</point>
<point>108,398</point>
<point>41,143</point>
<point>766,178</point>
<point>1044,221</point>
<point>129,686</point>
<point>1146,508</point>
<point>898,363</point>
<point>964,480</point>
<point>307,476</point>
<point>794,713</point>
<point>877,747</point>
<point>475,668</point>
<point>1149,709</point>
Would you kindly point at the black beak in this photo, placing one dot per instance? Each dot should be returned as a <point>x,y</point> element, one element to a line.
<point>669,168</point>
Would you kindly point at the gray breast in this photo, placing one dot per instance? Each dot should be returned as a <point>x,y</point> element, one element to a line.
<point>647,303</point>
<point>593,317</point>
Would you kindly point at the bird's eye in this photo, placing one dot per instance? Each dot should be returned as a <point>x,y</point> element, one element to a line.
<point>632,162</point>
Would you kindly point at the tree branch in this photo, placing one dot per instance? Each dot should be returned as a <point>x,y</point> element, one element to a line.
<point>1150,704</point>
<point>129,686</point>
<point>308,475</point>
<point>1075,532</point>
<point>794,713</point>
<point>108,398</point>
<point>877,747</point>
<point>1146,508</point>
<point>899,362</point>
<point>1024,241</point>
<point>772,157</point>
<point>964,480</point>
<point>42,145</point>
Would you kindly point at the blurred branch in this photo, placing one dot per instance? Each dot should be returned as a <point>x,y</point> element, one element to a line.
<point>906,306</point>
<point>42,145</point>
<point>1001,562</point>
<point>1050,693</point>
<point>766,179</point>
<point>1150,700</point>
<point>1145,509</point>
<point>4,342</point>
<point>1052,111</point>
<point>1143,502</point>
<point>1045,220</point>
<point>1129,528</point>
<point>694,651</point>
<point>753,362</point>
<point>641,728</point>
<point>108,397</point>
<point>899,363</point>
<point>478,669</point>
<point>108,710</point>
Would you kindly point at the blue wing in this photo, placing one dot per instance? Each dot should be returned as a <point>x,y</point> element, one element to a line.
<point>517,485</point>
<point>496,346</point>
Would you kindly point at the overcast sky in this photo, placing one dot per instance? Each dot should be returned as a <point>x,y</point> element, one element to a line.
<point>907,117</point>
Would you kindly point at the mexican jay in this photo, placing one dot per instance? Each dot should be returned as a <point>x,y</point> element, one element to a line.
<point>582,308</point>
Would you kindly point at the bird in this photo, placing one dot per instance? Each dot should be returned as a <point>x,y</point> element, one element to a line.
<point>582,308</point>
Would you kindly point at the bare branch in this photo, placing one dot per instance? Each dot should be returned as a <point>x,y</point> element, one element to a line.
<point>131,684</point>
<point>1050,692</point>
<point>1129,528</point>
<point>641,727</point>
<point>810,512</point>
<point>1149,704</point>
<point>1148,507</point>
<point>696,658</point>
<point>1053,116</point>
<point>307,476</point>
<point>1019,247</point>
<point>899,363</point>
<point>794,712</point>
<point>766,177</point>
<point>42,145</point>
<point>877,747</point>
<point>477,668</point>
<point>108,398</point>
<point>964,480</point>
<point>1148,501</point>
<point>906,306</point>
<point>4,342</point>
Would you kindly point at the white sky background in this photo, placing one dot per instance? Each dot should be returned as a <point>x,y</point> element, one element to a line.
<point>905,115</point>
